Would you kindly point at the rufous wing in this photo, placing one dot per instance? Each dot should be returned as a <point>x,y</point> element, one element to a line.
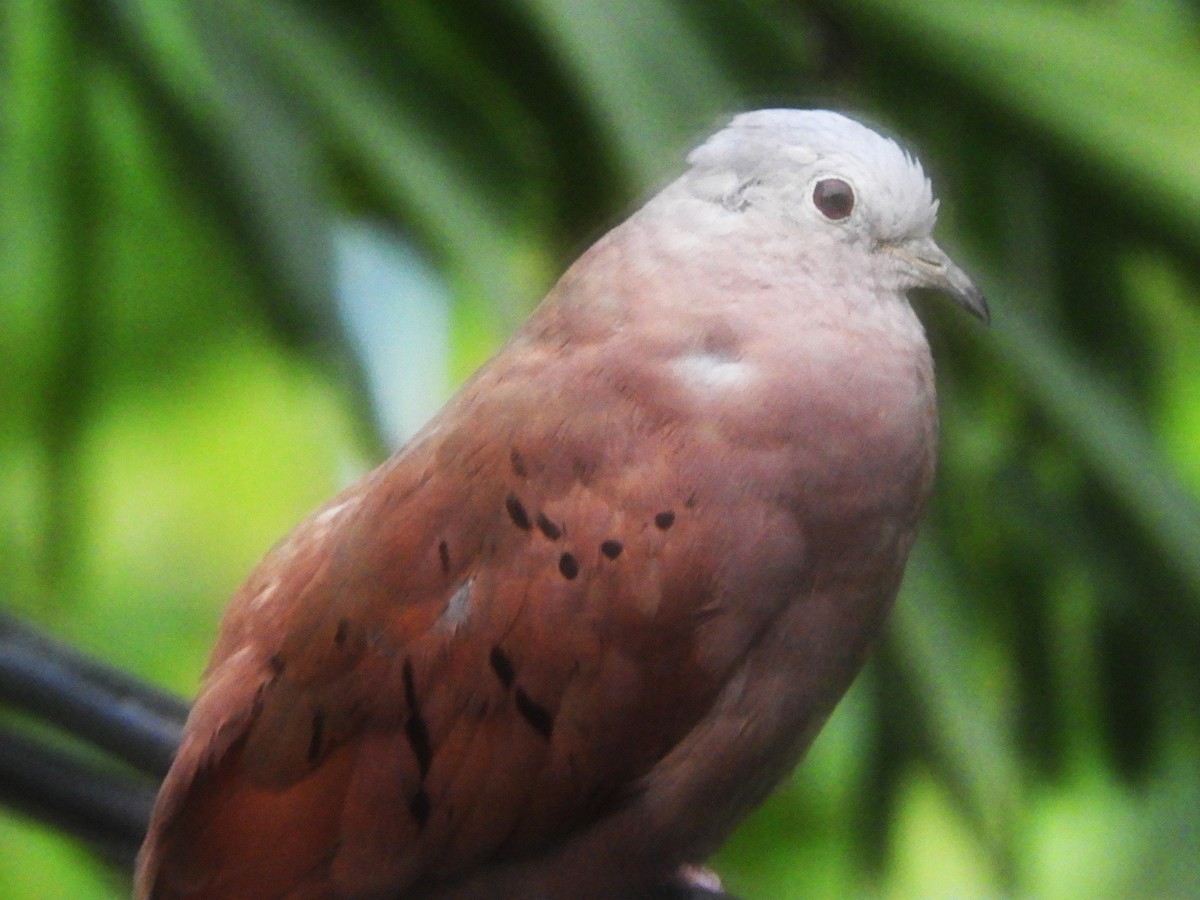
<point>473,653</point>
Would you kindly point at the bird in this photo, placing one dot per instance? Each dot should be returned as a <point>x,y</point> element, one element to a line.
<point>562,642</point>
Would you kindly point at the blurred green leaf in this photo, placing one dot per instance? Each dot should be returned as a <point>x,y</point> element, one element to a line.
<point>1114,95</point>
<point>650,79</point>
<point>261,162</point>
<point>971,741</point>
<point>391,143</point>
<point>1107,435</point>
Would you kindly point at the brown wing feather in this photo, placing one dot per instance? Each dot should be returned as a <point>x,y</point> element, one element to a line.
<point>467,656</point>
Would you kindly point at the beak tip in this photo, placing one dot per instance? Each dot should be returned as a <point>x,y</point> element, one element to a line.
<point>932,269</point>
<point>976,304</point>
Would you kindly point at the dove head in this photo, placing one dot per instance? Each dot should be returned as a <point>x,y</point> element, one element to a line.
<point>823,177</point>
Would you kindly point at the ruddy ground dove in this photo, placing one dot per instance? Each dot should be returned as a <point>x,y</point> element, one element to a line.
<point>565,640</point>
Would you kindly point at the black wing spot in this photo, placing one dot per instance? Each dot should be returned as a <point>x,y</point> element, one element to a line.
<point>420,807</point>
<point>516,512</point>
<point>444,556</point>
<point>518,463</point>
<point>317,736</point>
<point>664,520</point>
<point>276,663</point>
<point>410,690</point>
<point>568,565</point>
<point>612,549</point>
<point>538,717</point>
<point>418,738</point>
<point>342,632</point>
<point>502,666</point>
<point>548,528</point>
<point>415,729</point>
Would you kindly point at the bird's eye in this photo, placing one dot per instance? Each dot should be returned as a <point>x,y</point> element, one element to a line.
<point>834,198</point>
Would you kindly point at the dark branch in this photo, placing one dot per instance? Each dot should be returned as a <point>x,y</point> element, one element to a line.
<point>138,724</point>
<point>107,809</point>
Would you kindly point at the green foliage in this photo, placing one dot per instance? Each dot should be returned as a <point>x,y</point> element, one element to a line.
<point>177,388</point>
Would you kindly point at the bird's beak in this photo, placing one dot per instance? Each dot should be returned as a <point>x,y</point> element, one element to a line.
<point>930,267</point>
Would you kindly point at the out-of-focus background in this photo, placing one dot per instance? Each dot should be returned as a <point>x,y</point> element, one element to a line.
<point>247,245</point>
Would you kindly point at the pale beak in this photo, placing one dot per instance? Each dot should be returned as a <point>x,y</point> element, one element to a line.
<point>931,268</point>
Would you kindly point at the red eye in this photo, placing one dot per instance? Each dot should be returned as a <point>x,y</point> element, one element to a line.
<point>834,198</point>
